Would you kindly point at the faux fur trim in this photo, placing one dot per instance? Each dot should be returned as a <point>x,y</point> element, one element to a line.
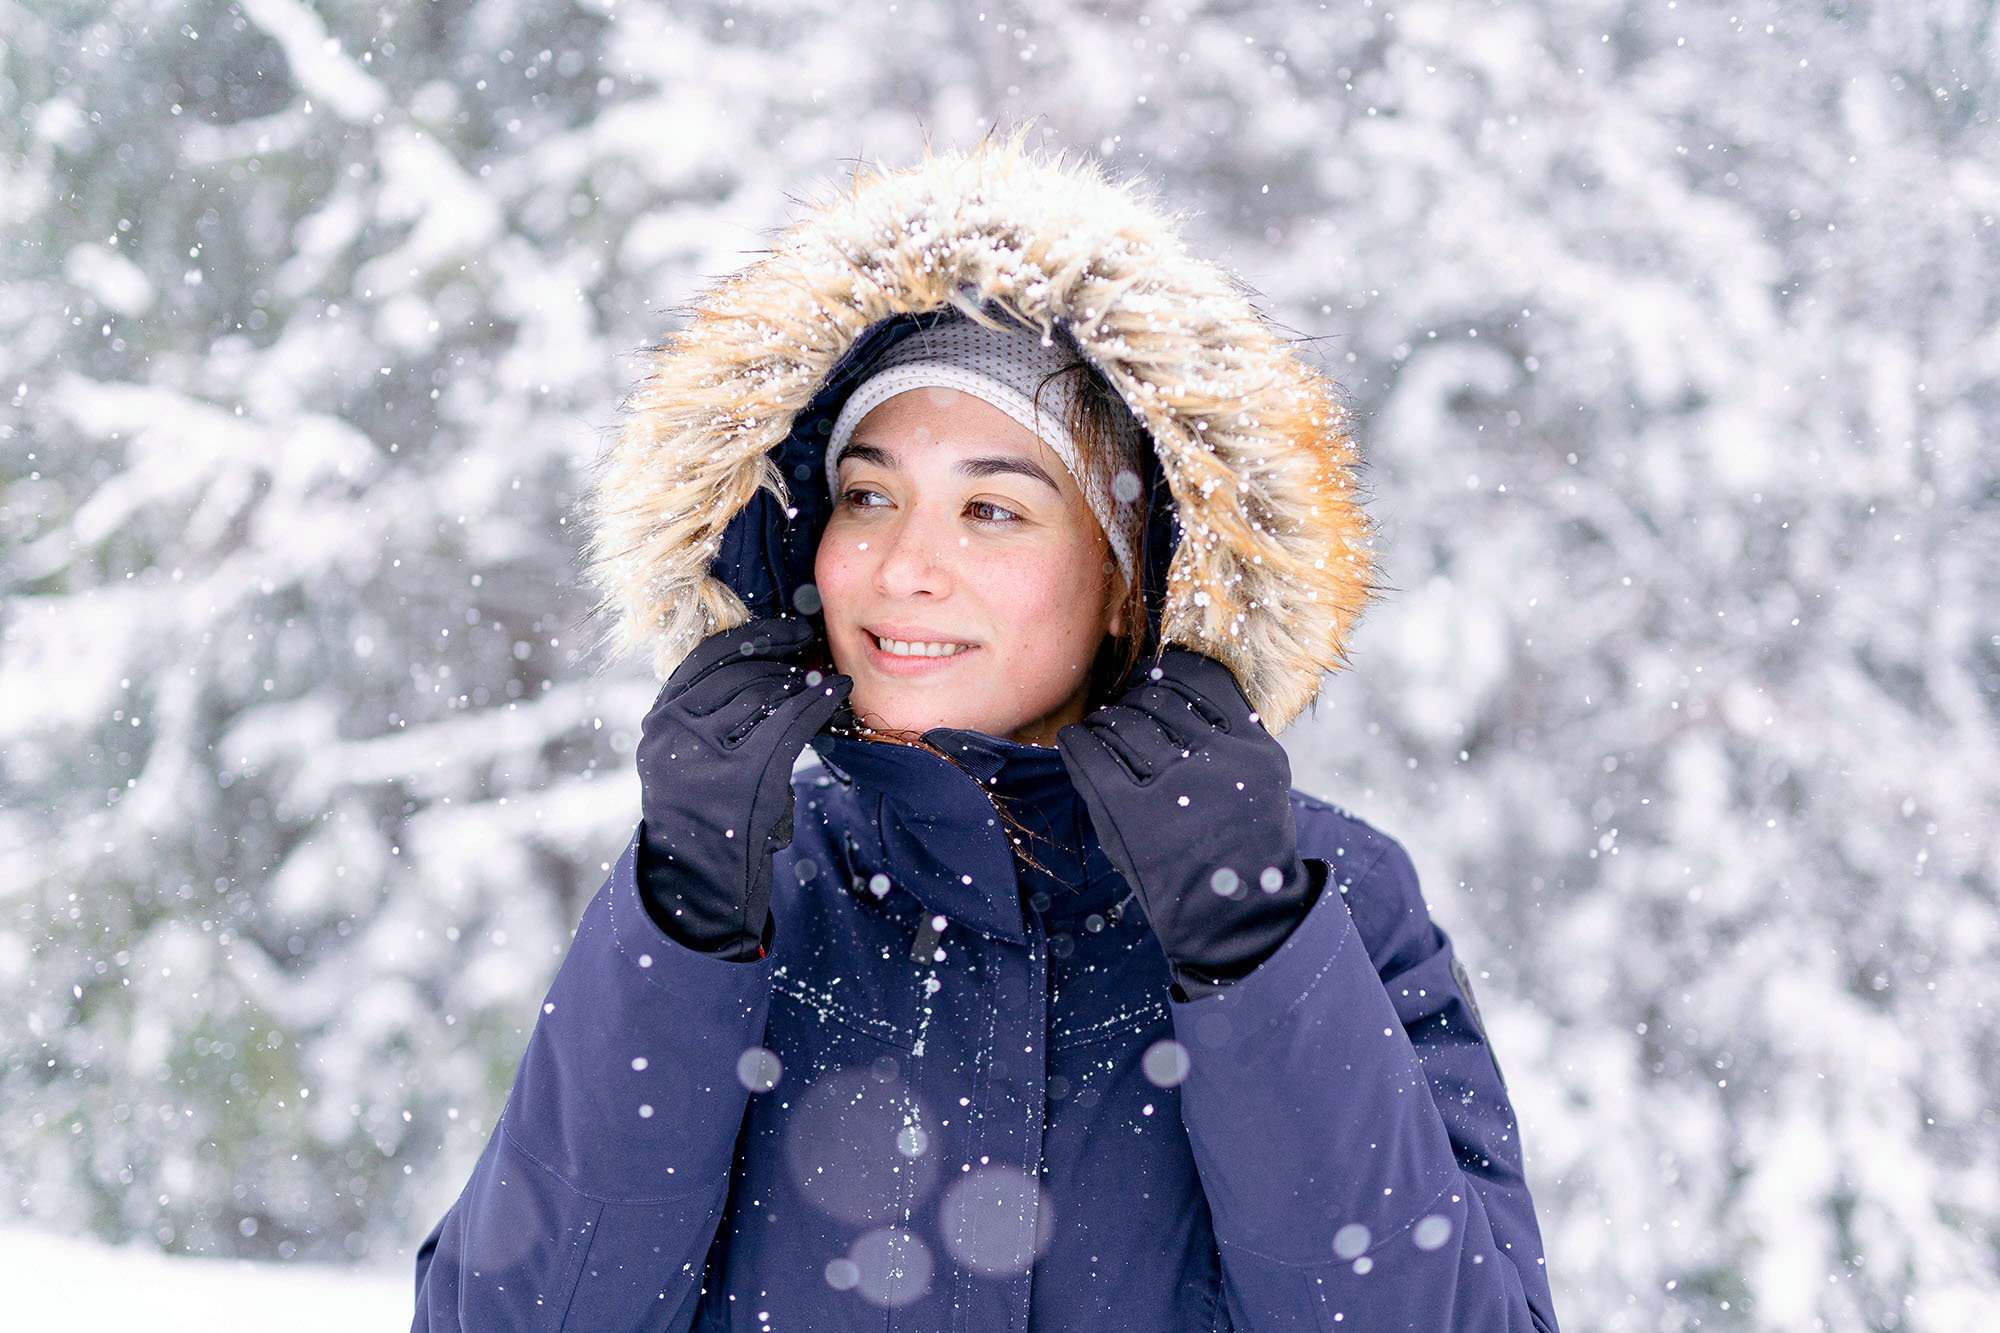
<point>1274,563</point>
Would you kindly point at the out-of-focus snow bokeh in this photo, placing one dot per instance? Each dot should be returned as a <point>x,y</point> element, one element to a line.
<point>1673,331</point>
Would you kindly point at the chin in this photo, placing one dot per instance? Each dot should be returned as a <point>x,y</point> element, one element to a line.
<point>914,721</point>
<point>899,711</point>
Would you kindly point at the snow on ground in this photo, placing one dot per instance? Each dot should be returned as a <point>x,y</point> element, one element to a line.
<point>61,1282</point>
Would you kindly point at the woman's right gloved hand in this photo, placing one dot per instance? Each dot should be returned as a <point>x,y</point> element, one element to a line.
<point>715,781</point>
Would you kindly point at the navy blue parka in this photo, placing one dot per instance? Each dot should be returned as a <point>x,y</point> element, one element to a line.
<point>960,1091</point>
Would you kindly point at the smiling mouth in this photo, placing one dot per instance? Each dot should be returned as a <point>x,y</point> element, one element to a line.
<point>918,648</point>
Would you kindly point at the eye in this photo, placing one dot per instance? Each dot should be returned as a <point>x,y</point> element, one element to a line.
<point>860,497</point>
<point>985,511</point>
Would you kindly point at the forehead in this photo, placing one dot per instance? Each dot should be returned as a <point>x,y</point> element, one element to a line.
<point>948,416</point>
<point>926,428</point>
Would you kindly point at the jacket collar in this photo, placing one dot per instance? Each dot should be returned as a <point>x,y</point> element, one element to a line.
<point>941,837</point>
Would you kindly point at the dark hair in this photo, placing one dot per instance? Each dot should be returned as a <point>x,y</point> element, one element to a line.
<point>1099,421</point>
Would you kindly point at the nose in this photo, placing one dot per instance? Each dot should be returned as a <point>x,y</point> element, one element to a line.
<point>913,562</point>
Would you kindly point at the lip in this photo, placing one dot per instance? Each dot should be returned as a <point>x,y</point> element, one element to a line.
<point>889,664</point>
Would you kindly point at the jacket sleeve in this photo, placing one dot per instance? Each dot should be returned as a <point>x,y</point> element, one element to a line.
<point>1350,1126</point>
<point>598,1196</point>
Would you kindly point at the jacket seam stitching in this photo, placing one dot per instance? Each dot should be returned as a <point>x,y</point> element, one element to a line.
<point>886,1033</point>
<point>602,1200</point>
<point>1105,1029</point>
<point>1381,855</point>
<point>583,1258</point>
<point>1319,976</point>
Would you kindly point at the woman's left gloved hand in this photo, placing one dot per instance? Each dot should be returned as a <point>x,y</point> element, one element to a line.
<point>1190,797</point>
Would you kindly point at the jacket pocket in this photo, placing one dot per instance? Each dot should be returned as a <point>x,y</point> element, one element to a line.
<point>1111,983</point>
<point>804,999</point>
<point>844,964</point>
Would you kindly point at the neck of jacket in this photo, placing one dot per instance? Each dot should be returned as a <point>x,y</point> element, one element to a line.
<point>981,831</point>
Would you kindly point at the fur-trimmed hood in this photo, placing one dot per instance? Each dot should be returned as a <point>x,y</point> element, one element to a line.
<point>710,502</point>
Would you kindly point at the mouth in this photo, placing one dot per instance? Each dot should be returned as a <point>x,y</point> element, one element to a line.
<point>913,649</point>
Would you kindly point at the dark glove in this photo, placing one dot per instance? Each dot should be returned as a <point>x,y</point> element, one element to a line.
<point>715,782</point>
<point>1190,797</point>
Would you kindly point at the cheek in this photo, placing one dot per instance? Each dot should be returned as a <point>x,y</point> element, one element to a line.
<point>1056,605</point>
<point>836,570</point>
<point>836,576</point>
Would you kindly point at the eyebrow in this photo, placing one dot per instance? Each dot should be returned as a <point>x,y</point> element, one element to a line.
<point>990,465</point>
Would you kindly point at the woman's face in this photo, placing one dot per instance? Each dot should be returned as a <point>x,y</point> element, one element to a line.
<point>965,581</point>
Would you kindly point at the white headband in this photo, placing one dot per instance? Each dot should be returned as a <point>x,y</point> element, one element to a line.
<point>1009,368</point>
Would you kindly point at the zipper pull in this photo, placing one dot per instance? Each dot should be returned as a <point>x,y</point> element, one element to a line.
<point>925,950</point>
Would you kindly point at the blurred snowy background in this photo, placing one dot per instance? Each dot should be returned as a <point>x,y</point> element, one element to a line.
<point>1673,328</point>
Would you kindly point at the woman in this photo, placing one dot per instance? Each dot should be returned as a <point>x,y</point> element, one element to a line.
<point>1042,1002</point>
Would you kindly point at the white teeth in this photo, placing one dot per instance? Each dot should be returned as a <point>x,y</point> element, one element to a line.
<point>902,648</point>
